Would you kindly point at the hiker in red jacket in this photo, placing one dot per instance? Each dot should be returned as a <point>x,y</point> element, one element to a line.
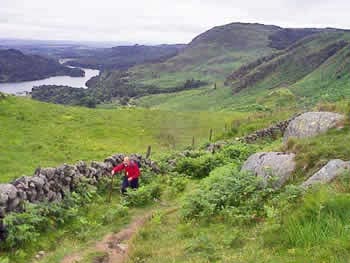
<point>131,174</point>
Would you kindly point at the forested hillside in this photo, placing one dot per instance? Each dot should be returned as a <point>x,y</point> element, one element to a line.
<point>16,66</point>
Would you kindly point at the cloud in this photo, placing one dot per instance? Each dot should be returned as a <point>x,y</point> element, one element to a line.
<point>157,21</point>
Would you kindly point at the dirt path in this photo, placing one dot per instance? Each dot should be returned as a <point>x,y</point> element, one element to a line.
<point>113,246</point>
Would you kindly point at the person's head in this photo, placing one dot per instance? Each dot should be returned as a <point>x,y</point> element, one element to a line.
<point>126,161</point>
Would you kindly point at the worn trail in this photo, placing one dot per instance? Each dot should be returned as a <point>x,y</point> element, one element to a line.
<point>114,247</point>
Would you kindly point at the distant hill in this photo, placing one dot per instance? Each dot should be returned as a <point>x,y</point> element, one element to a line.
<point>312,65</point>
<point>213,55</point>
<point>124,57</point>
<point>208,57</point>
<point>16,66</point>
<point>251,59</point>
<point>316,66</point>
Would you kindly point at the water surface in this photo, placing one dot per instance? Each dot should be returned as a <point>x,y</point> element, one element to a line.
<point>26,86</point>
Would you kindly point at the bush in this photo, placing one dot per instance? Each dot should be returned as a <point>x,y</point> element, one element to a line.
<point>199,167</point>
<point>25,228</point>
<point>114,214</point>
<point>239,152</point>
<point>142,196</point>
<point>227,193</point>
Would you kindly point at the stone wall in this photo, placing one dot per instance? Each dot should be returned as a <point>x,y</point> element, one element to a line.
<point>52,184</point>
<point>271,132</point>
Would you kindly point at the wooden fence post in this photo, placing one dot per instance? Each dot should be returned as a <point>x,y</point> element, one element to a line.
<point>193,142</point>
<point>210,134</point>
<point>148,154</point>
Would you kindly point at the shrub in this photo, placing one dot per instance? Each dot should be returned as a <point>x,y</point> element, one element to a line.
<point>203,247</point>
<point>114,214</point>
<point>25,228</point>
<point>227,193</point>
<point>142,196</point>
<point>201,166</point>
<point>239,152</point>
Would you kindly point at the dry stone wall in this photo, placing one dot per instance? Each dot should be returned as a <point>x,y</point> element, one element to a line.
<point>52,184</point>
<point>270,132</point>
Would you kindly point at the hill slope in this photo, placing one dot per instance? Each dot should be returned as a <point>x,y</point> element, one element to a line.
<point>46,134</point>
<point>312,69</point>
<point>124,57</point>
<point>214,54</point>
<point>16,66</point>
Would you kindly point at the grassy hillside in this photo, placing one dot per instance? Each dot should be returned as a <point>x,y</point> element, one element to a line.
<point>38,134</point>
<point>225,218</point>
<point>312,70</point>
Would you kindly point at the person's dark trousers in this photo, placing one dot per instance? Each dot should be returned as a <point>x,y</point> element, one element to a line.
<point>134,183</point>
<point>125,185</point>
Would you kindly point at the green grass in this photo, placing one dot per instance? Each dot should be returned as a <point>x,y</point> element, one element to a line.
<point>219,99</point>
<point>38,134</point>
<point>312,229</point>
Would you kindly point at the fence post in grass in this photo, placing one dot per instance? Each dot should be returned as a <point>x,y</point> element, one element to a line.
<point>193,142</point>
<point>225,127</point>
<point>210,134</point>
<point>148,154</point>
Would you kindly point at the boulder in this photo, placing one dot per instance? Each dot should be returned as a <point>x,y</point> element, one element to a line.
<point>48,172</point>
<point>7,192</point>
<point>14,204</point>
<point>271,164</point>
<point>328,173</point>
<point>311,124</point>
<point>38,181</point>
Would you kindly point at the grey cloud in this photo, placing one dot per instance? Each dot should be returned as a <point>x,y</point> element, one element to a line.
<point>157,21</point>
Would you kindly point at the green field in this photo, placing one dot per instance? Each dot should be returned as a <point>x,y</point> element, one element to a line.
<point>39,134</point>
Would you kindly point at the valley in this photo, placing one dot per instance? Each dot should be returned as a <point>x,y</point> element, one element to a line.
<point>186,112</point>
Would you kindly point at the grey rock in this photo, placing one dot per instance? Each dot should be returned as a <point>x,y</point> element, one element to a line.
<point>22,194</point>
<point>58,197</point>
<point>38,181</point>
<point>32,195</point>
<point>48,172</point>
<point>13,204</point>
<point>3,198</point>
<point>268,164</point>
<point>311,124</point>
<point>2,211</point>
<point>51,196</point>
<point>328,173</point>
<point>8,190</point>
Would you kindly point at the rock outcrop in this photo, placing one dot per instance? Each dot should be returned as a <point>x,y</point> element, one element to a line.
<point>311,124</point>
<point>328,173</point>
<point>271,164</point>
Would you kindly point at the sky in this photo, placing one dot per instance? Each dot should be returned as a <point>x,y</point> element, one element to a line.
<point>157,21</point>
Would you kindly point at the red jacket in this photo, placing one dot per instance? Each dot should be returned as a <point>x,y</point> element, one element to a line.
<point>131,171</point>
